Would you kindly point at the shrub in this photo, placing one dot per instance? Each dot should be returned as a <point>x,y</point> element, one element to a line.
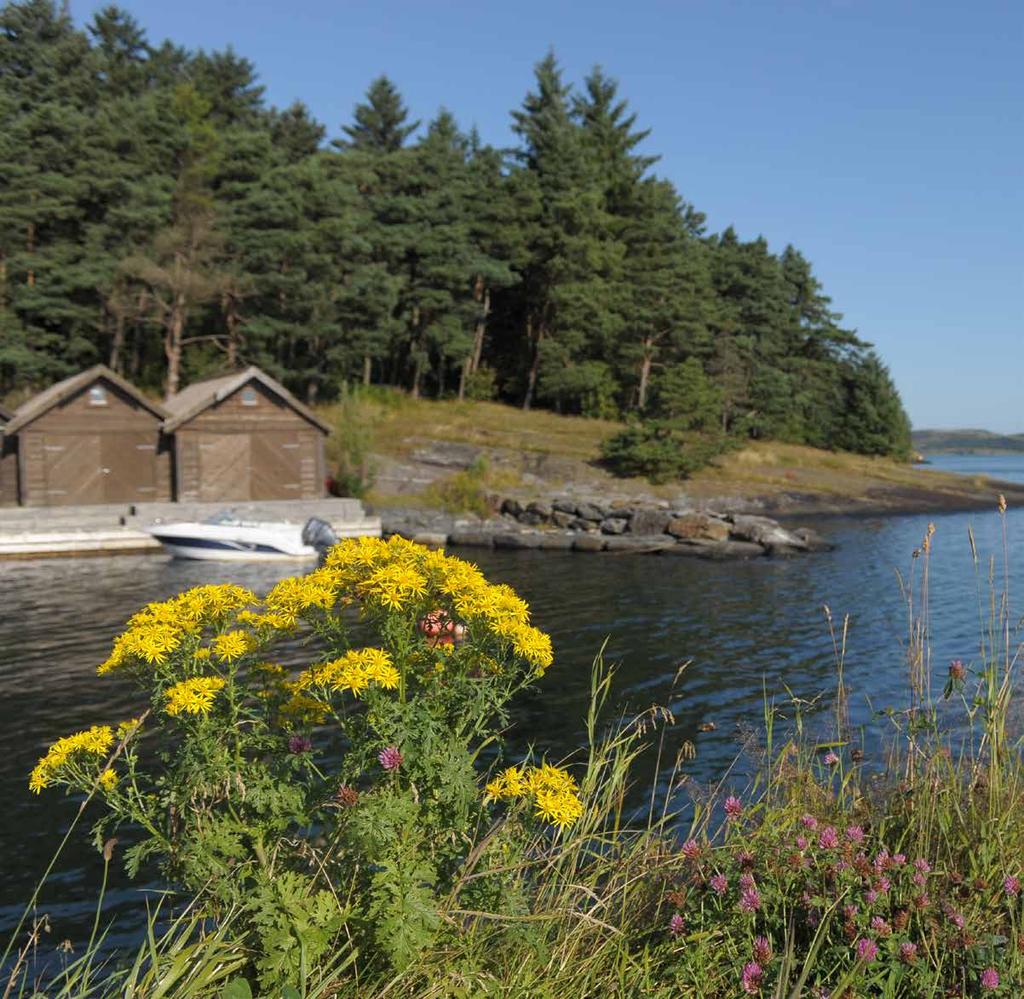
<point>659,452</point>
<point>350,445</point>
<point>340,802</point>
<point>481,384</point>
<point>464,492</point>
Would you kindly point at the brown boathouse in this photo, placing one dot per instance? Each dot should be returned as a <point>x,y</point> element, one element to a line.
<point>92,438</point>
<point>8,463</point>
<point>244,437</point>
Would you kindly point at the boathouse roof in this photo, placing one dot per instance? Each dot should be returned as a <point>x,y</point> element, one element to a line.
<point>200,396</point>
<point>44,401</point>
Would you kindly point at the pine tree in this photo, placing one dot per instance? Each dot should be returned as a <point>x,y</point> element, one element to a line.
<point>381,123</point>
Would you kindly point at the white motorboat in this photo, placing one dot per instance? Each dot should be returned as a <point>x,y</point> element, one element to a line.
<point>225,538</point>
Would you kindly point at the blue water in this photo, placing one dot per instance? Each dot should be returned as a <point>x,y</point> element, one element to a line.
<point>740,629</point>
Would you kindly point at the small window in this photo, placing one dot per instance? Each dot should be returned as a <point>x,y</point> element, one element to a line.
<point>97,396</point>
<point>249,396</point>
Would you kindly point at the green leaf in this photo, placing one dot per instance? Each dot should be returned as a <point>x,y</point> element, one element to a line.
<point>237,988</point>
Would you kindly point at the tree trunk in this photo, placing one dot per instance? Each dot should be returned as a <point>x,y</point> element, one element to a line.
<point>312,391</point>
<point>645,376</point>
<point>172,344</point>
<point>233,323</point>
<point>481,329</point>
<point>117,343</point>
<point>367,368</point>
<point>462,377</point>
<point>417,374</point>
<point>531,378</point>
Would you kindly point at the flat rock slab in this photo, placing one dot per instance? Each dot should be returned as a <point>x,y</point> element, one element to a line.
<point>526,539</point>
<point>472,539</point>
<point>625,543</point>
<point>589,543</point>
<point>431,539</point>
<point>556,542</point>
<point>725,550</point>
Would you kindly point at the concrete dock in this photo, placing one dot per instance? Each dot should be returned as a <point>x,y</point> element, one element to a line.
<point>115,529</point>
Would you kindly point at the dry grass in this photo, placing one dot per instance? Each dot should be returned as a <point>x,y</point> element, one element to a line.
<point>789,478</point>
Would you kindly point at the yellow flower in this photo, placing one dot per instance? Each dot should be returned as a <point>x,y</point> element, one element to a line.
<point>354,671</point>
<point>202,654</point>
<point>127,728</point>
<point>231,645</point>
<point>304,709</point>
<point>193,697</point>
<point>554,792</point>
<point>108,780</point>
<point>95,741</point>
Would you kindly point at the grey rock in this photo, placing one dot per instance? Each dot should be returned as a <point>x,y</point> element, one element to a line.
<point>511,506</point>
<point>431,539</point>
<point>765,532</point>
<point>580,524</point>
<point>541,509</point>
<point>620,513</point>
<point>814,541</point>
<point>613,525</point>
<point>446,454</point>
<point>725,550</point>
<point>649,522</point>
<point>530,518</point>
<point>591,511</point>
<point>632,543</point>
<point>589,543</point>
<point>690,549</point>
<point>524,539</point>
<point>564,506</point>
<point>698,526</point>
<point>472,539</point>
<point>562,519</point>
<point>556,541</point>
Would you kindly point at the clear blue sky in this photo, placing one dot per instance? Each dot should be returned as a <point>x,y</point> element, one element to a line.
<point>885,139</point>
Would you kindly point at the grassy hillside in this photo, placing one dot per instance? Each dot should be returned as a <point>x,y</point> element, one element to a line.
<point>966,441</point>
<point>418,445</point>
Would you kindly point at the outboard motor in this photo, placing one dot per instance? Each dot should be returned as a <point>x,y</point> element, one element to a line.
<point>319,534</point>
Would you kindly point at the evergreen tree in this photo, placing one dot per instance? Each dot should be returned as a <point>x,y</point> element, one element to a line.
<point>381,123</point>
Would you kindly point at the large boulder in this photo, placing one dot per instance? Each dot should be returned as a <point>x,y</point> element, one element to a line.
<point>560,518</point>
<point>698,527</point>
<point>540,509</point>
<point>613,525</point>
<point>511,506</point>
<point>767,533</point>
<point>530,518</point>
<point>649,522</point>
<point>591,511</point>
<point>814,541</point>
<point>564,506</point>
<point>588,543</point>
<point>556,541</point>
<point>581,524</point>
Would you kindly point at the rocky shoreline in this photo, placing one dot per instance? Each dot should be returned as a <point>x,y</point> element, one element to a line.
<point>567,524</point>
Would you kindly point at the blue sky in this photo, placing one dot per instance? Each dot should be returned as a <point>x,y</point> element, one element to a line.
<point>884,139</point>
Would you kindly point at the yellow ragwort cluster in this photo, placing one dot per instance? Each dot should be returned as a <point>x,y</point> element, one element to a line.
<point>554,792</point>
<point>354,671</point>
<point>192,697</point>
<point>159,628</point>
<point>397,573</point>
<point>95,741</point>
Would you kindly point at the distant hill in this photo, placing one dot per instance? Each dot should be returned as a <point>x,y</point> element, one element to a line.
<point>965,441</point>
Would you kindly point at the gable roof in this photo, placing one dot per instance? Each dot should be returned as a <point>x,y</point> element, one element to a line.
<point>199,396</point>
<point>44,401</point>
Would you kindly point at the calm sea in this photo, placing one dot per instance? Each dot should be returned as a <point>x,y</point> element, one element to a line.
<point>742,628</point>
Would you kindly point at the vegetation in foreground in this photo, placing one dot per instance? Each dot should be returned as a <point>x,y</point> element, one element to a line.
<point>823,878</point>
<point>157,215</point>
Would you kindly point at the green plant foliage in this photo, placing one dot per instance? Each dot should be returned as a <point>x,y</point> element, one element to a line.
<point>660,452</point>
<point>233,798</point>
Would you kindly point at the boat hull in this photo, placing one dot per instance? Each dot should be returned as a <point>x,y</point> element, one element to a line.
<point>236,543</point>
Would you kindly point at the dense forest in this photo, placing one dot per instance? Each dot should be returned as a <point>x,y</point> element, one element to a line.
<point>158,216</point>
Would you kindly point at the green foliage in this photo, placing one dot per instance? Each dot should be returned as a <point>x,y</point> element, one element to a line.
<point>157,215</point>
<point>660,452</point>
<point>464,492</point>
<point>351,445</point>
